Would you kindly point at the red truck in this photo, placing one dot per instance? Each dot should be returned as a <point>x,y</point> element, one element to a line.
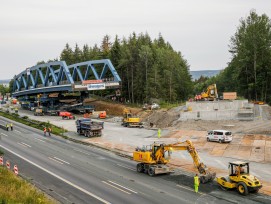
<point>66,115</point>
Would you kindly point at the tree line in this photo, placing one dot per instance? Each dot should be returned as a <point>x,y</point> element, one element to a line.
<point>149,69</point>
<point>152,69</point>
<point>249,70</point>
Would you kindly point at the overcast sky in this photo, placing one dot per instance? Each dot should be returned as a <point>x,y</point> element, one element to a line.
<point>35,30</point>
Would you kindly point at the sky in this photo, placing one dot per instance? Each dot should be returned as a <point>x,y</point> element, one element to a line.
<point>35,30</point>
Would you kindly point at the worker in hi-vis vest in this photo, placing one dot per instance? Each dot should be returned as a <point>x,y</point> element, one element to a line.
<point>196,183</point>
<point>159,133</point>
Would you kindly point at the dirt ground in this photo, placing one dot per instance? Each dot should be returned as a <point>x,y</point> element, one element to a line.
<point>169,119</point>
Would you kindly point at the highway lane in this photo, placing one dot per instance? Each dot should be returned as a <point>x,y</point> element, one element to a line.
<point>93,173</point>
<point>90,170</point>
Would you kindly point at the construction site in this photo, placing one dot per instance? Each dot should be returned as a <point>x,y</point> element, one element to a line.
<point>117,127</point>
<point>248,122</point>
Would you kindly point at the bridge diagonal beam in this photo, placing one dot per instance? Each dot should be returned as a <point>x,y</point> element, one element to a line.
<point>24,81</point>
<point>41,76</point>
<point>79,73</point>
<point>32,79</point>
<point>105,68</point>
<point>87,73</point>
<point>59,75</point>
<point>94,71</point>
<point>52,74</point>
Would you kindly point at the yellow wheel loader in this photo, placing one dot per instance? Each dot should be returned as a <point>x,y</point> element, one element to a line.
<point>153,159</point>
<point>129,120</point>
<point>240,179</point>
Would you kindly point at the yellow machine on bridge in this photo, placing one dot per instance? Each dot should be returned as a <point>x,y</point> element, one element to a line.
<point>153,159</point>
<point>129,120</point>
<point>240,178</point>
<point>209,95</point>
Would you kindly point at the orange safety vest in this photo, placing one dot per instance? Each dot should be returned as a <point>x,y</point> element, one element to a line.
<point>49,129</point>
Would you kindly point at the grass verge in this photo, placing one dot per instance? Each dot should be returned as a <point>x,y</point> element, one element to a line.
<point>14,189</point>
<point>33,123</point>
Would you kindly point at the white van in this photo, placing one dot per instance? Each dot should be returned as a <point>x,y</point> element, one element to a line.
<point>219,136</point>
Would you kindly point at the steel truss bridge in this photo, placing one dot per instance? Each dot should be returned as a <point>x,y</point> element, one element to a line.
<point>58,77</point>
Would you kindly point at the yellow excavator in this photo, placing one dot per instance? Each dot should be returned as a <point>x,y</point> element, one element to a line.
<point>153,159</point>
<point>209,95</point>
<point>129,120</point>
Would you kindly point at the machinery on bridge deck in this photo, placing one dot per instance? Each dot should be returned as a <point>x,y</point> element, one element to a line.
<point>153,159</point>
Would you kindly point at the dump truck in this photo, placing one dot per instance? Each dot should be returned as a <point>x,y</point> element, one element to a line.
<point>89,128</point>
<point>153,159</point>
<point>129,120</point>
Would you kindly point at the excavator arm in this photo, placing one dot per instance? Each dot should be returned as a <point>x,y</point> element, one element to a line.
<point>205,174</point>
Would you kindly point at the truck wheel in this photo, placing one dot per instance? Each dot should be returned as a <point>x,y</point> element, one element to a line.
<point>63,117</point>
<point>242,188</point>
<point>151,171</point>
<point>208,139</point>
<point>220,141</point>
<point>85,134</point>
<point>140,168</point>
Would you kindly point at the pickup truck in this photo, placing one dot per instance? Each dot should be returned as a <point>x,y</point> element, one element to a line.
<point>89,128</point>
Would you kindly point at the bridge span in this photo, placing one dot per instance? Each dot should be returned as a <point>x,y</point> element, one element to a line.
<point>58,77</point>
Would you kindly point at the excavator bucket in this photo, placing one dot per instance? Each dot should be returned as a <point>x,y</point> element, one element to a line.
<point>207,178</point>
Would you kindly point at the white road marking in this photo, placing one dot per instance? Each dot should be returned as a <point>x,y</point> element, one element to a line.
<point>190,189</point>
<point>81,151</point>
<point>18,131</point>
<point>61,160</point>
<point>59,177</point>
<point>221,163</point>
<point>116,187</point>
<point>4,134</point>
<point>23,144</point>
<point>39,139</point>
<point>126,167</point>
<point>122,186</point>
<point>55,160</point>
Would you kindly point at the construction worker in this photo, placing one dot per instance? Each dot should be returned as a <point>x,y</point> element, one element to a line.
<point>49,131</point>
<point>11,126</point>
<point>196,183</point>
<point>159,133</point>
<point>44,131</point>
<point>7,126</point>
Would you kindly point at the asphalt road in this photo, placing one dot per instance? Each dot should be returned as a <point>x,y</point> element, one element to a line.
<point>74,173</point>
